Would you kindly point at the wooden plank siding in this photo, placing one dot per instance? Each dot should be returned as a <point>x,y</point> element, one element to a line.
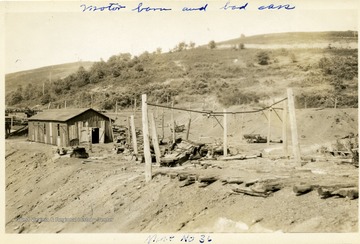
<point>71,132</point>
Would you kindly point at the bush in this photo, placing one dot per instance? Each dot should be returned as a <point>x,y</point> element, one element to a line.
<point>212,44</point>
<point>263,58</point>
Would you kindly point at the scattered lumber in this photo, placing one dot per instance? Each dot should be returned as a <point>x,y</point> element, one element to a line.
<point>266,187</point>
<point>233,180</point>
<point>186,182</point>
<point>190,180</point>
<point>350,192</point>
<point>250,192</point>
<point>183,176</point>
<point>252,182</point>
<point>239,157</point>
<point>208,179</point>
<point>302,189</point>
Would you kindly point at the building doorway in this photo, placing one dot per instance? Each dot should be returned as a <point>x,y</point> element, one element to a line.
<point>95,135</point>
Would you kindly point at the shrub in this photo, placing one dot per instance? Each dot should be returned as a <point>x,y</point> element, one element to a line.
<point>263,58</point>
<point>212,44</point>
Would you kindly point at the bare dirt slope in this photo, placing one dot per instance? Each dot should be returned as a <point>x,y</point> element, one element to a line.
<point>107,192</point>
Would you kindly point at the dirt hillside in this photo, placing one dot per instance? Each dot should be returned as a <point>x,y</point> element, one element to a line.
<point>107,192</point>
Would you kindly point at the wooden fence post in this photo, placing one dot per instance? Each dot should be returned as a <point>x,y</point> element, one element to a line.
<point>145,125</point>
<point>269,127</point>
<point>225,133</point>
<point>155,141</point>
<point>188,129</point>
<point>173,123</point>
<point>293,125</point>
<point>133,135</point>
<point>284,129</point>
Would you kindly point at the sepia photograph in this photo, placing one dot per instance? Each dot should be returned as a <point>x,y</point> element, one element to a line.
<point>180,121</point>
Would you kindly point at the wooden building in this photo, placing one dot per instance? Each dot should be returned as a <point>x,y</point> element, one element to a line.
<point>70,127</point>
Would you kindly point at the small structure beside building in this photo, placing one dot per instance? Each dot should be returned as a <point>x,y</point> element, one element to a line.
<point>70,127</point>
<point>8,122</point>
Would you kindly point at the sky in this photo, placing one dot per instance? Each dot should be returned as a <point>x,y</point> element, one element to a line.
<point>40,35</point>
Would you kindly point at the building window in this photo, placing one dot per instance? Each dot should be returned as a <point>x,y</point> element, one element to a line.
<point>58,129</point>
<point>44,129</point>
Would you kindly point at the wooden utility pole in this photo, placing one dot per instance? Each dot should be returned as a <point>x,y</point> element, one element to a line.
<point>173,123</point>
<point>145,125</point>
<point>269,127</point>
<point>155,141</point>
<point>225,133</point>
<point>284,129</point>
<point>293,126</point>
<point>133,135</point>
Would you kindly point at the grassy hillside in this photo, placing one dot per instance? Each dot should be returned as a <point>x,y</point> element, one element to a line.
<point>297,37</point>
<point>321,77</point>
<point>40,75</point>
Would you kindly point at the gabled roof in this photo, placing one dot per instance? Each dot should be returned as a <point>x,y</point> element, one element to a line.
<point>61,115</point>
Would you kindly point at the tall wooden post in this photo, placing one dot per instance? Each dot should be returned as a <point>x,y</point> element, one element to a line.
<point>242,125</point>
<point>284,129</point>
<point>162,124</point>
<point>128,134</point>
<point>145,125</point>
<point>65,104</point>
<point>293,126</point>
<point>155,141</point>
<point>111,130</point>
<point>173,123</point>
<point>134,107</point>
<point>225,133</point>
<point>188,129</point>
<point>269,127</point>
<point>133,135</point>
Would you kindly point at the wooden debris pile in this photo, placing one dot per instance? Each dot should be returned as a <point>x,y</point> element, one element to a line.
<point>257,188</point>
<point>255,138</point>
<point>186,178</point>
<point>350,191</point>
<point>181,151</point>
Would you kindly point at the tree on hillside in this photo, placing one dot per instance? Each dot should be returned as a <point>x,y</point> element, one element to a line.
<point>212,44</point>
<point>98,71</point>
<point>82,77</point>
<point>15,97</point>
<point>192,45</point>
<point>45,99</point>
